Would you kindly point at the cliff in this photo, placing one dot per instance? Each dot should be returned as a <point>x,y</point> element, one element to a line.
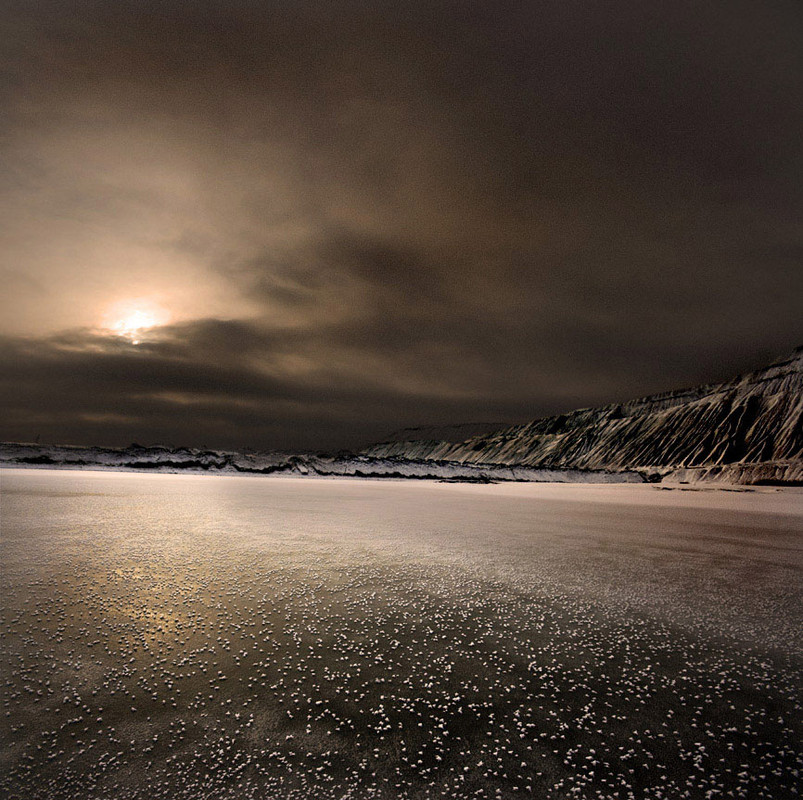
<point>747,430</point>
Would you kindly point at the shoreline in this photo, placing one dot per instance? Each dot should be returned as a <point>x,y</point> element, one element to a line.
<point>193,461</point>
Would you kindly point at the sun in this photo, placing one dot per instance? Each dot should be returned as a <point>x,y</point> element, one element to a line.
<point>132,318</point>
<point>135,321</point>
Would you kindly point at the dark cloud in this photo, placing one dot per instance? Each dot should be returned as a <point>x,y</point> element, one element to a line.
<point>368,215</point>
<point>214,377</point>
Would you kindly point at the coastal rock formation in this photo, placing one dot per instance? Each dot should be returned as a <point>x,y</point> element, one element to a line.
<point>748,430</point>
<point>158,458</point>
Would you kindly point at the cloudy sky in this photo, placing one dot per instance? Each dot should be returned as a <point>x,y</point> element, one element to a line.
<point>307,224</point>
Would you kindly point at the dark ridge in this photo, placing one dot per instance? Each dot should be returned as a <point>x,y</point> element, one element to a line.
<point>741,430</point>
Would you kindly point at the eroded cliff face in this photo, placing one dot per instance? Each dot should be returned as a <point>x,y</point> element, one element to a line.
<point>748,430</point>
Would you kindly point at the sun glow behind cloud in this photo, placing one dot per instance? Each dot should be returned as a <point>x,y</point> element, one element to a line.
<point>133,318</point>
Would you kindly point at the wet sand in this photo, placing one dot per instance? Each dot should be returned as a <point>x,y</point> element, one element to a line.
<point>220,637</point>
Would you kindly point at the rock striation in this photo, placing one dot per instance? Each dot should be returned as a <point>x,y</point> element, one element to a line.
<point>747,430</point>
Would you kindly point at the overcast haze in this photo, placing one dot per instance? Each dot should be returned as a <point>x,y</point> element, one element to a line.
<point>340,219</point>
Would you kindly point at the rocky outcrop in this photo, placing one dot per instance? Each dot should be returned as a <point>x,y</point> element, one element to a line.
<point>190,460</point>
<point>748,430</point>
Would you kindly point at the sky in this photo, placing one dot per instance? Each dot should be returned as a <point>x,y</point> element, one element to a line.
<point>304,225</point>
